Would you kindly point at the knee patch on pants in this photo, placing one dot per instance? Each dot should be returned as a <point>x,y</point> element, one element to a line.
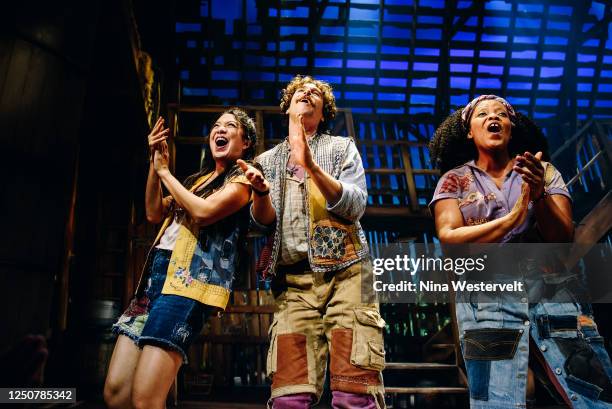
<point>357,355</point>
<point>290,360</point>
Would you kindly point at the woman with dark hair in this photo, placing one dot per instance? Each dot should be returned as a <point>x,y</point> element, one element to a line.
<point>497,189</point>
<point>189,270</point>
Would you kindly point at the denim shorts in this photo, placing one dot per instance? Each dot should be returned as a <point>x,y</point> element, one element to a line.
<point>167,321</point>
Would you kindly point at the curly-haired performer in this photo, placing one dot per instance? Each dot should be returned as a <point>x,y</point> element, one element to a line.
<point>497,189</point>
<point>189,271</point>
<point>317,257</point>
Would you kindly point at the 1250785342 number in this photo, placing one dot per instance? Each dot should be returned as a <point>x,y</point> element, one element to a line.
<point>38,395</point>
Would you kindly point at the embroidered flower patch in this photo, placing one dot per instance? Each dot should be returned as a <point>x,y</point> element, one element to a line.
<point>184,276</point>
<point>328,242</point>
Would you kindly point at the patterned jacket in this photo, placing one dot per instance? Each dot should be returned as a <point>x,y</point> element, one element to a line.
<point>205,259</point>
<point>336,239</point>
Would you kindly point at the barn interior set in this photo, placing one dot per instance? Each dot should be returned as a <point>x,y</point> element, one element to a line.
<point>81,84</point>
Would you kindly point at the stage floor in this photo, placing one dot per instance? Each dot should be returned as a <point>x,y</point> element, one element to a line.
<point>181,405</point>
<point>222,405</point>
<point>186,405</point>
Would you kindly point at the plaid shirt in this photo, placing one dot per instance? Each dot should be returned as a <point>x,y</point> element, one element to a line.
<point>294,240</point>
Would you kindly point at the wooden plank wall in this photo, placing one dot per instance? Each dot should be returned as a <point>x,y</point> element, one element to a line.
<point>42,87</point>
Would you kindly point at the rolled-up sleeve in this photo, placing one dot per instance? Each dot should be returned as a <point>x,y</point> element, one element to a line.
<point>553,182</point>
<point>352,203</point>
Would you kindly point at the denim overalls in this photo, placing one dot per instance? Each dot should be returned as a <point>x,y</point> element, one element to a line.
<point>497,331</point>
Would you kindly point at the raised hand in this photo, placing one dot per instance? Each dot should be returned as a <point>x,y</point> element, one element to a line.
<point>300,151</point>
<point>158,135</point>
<point>255,177</point>
<point>161,157</point>
<point>530,168</point>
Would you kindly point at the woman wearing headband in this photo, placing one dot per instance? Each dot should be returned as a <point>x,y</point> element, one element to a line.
<point>498,189</point>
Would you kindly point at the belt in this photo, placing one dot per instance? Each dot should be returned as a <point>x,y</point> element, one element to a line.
<point>299,267</point>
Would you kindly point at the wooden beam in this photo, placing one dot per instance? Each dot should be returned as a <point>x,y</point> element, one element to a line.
<point>268,109</point>
<point>603,139</point>
<point>584,169</point>
<point>412,193</point>
<point>260,147</point>
<point>350,127</point>
<point>590,229</point>
<point>597,223</point>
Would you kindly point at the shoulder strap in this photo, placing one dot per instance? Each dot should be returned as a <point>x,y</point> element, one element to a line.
<point>201,180</point>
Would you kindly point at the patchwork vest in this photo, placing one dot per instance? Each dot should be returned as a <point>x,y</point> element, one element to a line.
<point>333,242</point>
<point>204,259</point>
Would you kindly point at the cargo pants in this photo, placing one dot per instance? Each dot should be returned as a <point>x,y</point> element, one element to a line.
<point>320,314</point>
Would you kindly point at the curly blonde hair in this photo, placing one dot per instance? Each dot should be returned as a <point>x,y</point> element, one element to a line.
<point>329,101</point>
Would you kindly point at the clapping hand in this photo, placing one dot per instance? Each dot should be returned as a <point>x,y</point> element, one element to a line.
<point>158,135</point>
<point>530,168</point>
<point>300,151</point>
<point>161,157</point>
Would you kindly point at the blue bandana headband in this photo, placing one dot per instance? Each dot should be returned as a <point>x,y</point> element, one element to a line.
<point>466,113</point>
